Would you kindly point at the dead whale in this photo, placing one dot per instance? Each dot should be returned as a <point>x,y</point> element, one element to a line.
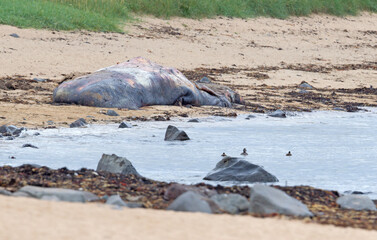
<point>140,82</point>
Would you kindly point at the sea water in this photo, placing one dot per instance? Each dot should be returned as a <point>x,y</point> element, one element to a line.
<point>330,150</point>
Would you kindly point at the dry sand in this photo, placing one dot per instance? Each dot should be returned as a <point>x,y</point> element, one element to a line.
<point>23,218</point>
<point>263,59</point>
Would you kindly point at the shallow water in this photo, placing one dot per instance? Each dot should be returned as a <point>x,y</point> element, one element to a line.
<point>330,150</point>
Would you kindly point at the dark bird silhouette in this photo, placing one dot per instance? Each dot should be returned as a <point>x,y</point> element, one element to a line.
<point>244,153</point>
<point>288,154</point>
<point>223,155</point>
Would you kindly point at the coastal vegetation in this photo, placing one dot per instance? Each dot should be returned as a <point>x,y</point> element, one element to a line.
<point>109,15</point>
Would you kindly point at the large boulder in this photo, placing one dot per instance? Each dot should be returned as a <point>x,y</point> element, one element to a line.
<point>356,202</point>
<point>267,200</point>
<point>61,194</point>
<point>114,164</point>
<point>190,202</point>
<point>174,134</point>
<point>235,169</point>
<point>140,82</point>
<point>231,203</point>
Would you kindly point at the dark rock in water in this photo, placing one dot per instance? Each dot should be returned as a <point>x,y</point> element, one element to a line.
<point>125,125</point>
<point>36,134</point>
<point>195,120</point>
<point>267,200</point>
<point>248,117</point>
<point>356,202</point>
<point>278,113</point>
<point>140,82</point>
<point>78,123</point>
<point>350,108</point>
<point>234,169</point>
<point>15,35</point>
<point>190,202</point>
<point>9,138</point>
<point>231,203</point>
<point>204,80</point>
<point>176,189</point>
<point>338,109</point>
<point>114,164</point>
<point>61,194</point>
<point>29,146</point>
<point>4,129</point>
<point>111,113</point>
<point>173,133</point>
<point>305,85</point>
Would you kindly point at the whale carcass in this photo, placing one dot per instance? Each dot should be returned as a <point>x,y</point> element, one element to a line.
<point>140,82</point>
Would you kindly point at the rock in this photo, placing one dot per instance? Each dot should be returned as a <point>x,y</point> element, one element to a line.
<point>304,84</point>
<point>278,113</point>
<point>5,192</point>
<point>176,189</point>
<point>114,164</point>
<point>49,122</point>
<point>15,35</point>
<point>235,169</point>
<point>338,109</point>
<point>356,202</point>
<point>78,123</point>
<point>173,133</point>
<point>231,203</point>
<point>116,200</point>
<point>125,125</point>
<point>9,138</point>
<point>194,120</point>
<point>190,202</point>
<point>267,200</point>
<point>39,79</point>
<point>29,145</point>
<point>50,198</point>
<point>111,113</point>
<point>4,130</point>
<point>67,195</point>
<point>36,134</point>
<point>248,117</point>
<point>303,91</point>
<point>204,80</point>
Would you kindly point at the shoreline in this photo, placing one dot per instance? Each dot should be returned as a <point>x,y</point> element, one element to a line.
<point>150,193</point>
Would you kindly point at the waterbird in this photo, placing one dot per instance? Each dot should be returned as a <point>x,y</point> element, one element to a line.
<point>244,153</point>
<point>288,154</point>
<point>223,155</point>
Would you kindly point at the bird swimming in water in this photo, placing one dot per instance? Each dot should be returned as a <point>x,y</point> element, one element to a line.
<point>244,153</point>
<point>288,154</point>
<point>223,155</point>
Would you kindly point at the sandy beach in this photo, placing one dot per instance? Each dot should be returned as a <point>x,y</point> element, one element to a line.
<point>263,59</point>
<point>37,219</point>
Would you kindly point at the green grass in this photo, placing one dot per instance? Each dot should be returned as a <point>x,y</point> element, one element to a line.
<point>108,15</point>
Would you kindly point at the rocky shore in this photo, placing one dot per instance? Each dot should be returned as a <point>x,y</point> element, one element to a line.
<point>152,194</point>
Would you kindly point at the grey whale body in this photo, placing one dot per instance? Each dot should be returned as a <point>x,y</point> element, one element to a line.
<point>137,83</point>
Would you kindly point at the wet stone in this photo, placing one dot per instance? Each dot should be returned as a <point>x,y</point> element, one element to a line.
<point>28,145</point>
<point>112,113</point>
<point>78,123</point>
<point>125,125</point>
